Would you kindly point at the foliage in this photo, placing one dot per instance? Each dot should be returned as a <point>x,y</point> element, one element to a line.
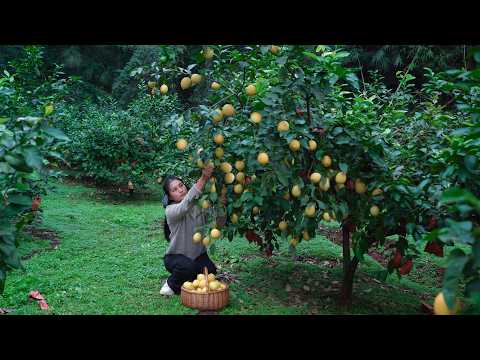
<point>28,147</point>
<point>115,146</point>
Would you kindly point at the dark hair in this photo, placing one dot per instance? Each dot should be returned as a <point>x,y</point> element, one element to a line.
<point>167,201</point>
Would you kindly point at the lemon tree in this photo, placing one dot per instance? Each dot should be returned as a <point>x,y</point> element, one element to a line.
<point>315,145</point>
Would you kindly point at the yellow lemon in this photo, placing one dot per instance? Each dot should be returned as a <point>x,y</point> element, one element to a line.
<point>164,89</point>
<point>239,165</point>
<point>238,189</point>
<point>377,192</point>
<point>310,211</point>
<point>251,90</point>
<point>185,83</point>
<point>240,177</point>
<point>218,116</point>
<point>200,277</point>
<point>213,188</point>
<point>206,241</point>
<point>324,184</point>
<point>196,78</point>
<point>219,139</point>
<point>315,178</point>
<point>255,210</point>
<point>256,117</point>
<point>374,210</point>
<point>262,158</point>
<point>296,192</point>
<point>312,145</point>
<point>215,85</point>
<point>274,49</point>
<point>197,237</point>
<point>205,204</point>
<point>208,53</point>
<point>229,178</point>
<point>305,235</point>
<point>188,285</point>
<point>294,145</point>
<point>219,152</point>
<point>214,285</point>
<point>326,216</point>
<point>234,218</point>
<point>151,84</point>
<point>228,110</point>
<point>195,283</point>
<point>327,161</point>
<point>341,178</point>
<point>215,234</point>
<point>211,277</point>
<point>360,187</point>
<point>282,225</point>
<point>182,144</point>
<point>283,126</point>
<point>226,167</point>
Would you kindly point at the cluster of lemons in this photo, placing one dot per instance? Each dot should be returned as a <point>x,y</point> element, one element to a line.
<point>209,239</point>
<point>203,285</point>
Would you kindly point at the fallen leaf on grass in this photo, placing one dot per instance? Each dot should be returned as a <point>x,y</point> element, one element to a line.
<point>4,311</point>
<point>36,295</point>
<point>43,305</point>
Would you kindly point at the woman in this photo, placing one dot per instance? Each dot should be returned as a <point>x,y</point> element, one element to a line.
<point>184,259</point>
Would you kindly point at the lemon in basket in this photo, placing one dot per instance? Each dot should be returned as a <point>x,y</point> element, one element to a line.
<point>211,277</point>
<point>214,285</point>
<point>195,283</point>
<point>188,285</point>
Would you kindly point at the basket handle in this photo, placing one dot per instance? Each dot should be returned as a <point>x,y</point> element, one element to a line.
<point>205,272</point>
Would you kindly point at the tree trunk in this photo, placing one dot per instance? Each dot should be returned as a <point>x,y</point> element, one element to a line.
<point>349,268</point>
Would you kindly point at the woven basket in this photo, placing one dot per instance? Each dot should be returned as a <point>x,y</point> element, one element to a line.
<point>211,300</point>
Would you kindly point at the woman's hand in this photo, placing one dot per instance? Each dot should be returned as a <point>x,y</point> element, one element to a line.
<point>206,174</point>
<point>207,171</point>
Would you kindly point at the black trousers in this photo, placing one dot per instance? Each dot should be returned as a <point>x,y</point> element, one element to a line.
<point>184,269</point>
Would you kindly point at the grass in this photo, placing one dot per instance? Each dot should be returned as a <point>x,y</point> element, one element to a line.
<point>110,261</point>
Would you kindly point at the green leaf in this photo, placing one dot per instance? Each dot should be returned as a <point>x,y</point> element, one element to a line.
<point>5,168</point>
<point>17,162</point>
<point>456,263</point>
<point>57,133</point>
<point>455,195</point>
<point>3,277</point>
<point>20,200</point>
<point>476,56</point>
<point>33,158</point>
<point>472,287</point>
<point>213,197</point>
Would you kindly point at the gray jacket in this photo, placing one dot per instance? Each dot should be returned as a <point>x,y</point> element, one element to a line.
<point>184,219</point>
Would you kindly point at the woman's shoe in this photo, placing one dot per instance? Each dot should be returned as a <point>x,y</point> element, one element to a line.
<point>165,290</point>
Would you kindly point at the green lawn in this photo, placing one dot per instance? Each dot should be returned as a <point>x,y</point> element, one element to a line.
<point>109,261</point>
